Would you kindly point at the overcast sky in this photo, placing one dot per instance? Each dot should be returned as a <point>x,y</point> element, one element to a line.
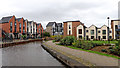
<point>43,11</point>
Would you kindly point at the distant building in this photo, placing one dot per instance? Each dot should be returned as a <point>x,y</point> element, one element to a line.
<point>60,28</point>
<point>16,27</point>
<point>39,30</point>
<point>80,31</point>
<point>70,28</point>
<point>52,28</point>
<point>115,25</point>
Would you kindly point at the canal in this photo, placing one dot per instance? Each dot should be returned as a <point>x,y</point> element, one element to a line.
<point>30,54</point>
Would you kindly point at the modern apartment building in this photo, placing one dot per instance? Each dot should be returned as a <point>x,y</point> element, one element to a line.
<point>39,30</point>
<point>16,27</point>
<point>115,25</point>
<point>8,25</point>
<point>60,28</point>
<point>52,28</point>
<point>21,26</point>
<point>80,31</point>
<point>70,28</point>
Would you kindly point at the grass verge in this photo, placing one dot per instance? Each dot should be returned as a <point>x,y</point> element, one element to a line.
<point>104,54</point>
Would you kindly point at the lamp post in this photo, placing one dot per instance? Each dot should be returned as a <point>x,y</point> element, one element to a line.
<point>108,29</point>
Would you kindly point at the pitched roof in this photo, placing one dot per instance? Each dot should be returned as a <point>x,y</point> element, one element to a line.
<point>72,21</point>
<point>5,19</point>
<point>50,24</point>
<point>19,19</point>
<point>59,24</point>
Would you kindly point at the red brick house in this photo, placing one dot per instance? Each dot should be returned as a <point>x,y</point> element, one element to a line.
<point>8,25</point>
<point>39,30</point>
<point>21,27</point>
<point>70,28</point>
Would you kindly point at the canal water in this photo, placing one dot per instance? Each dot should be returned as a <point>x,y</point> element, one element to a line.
<point>30,54</point>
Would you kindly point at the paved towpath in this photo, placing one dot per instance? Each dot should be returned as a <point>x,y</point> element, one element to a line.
<point>84,57</point>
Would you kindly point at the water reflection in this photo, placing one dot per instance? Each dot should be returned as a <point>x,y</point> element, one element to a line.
<point>30,54</point>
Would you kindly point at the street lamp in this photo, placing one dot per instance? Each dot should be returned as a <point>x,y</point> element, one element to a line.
<point>108,29</point>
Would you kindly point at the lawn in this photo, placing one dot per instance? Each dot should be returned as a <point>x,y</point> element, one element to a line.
<point>103,42</point>
<point>96,52</point>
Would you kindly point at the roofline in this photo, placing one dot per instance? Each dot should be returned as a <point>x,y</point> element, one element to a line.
<point>72,21</point>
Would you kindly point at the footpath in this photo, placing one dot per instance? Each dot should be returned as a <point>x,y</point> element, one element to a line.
<point>86,58</point>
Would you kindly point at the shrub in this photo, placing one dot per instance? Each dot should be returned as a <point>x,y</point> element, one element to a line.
<point>104,50</point>
<point>110,47</point>
<point>76,43</point>
<point>111,50</point>
<point>58,38</point>
<point>68,40</point>
<point>24,36</point>
<point>46,34</point>
<point>82,44</point>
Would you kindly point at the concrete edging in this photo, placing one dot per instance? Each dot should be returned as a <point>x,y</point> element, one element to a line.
<point>64,59</point>
<point>16,43</point>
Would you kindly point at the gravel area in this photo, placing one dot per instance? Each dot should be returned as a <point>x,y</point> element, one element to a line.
<point>85,57</point>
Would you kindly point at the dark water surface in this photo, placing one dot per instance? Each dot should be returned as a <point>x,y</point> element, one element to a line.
<point>30,54</point>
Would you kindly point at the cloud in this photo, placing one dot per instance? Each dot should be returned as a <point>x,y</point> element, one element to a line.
<point>43,11</point>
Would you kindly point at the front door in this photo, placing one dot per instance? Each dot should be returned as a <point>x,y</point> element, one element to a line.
<point>99,37</point>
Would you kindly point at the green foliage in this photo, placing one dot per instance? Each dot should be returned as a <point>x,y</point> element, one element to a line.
<point>68,40</point>
<point>24,36</point>
<point>111,50</point>
<point>53,41</point>
<point>82,44</point>
<point>46,34</point>
<point>58,38</point>
<point>111,47</point>
<point>104,50</point>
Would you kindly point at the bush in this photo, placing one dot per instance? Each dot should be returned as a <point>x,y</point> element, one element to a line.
<point>76,43</point>
<point>111,47</point>
<point>58,38</point>
<point>82,44</point>
<point>68,40</point>
<point>24,36</point>
<point>46,34</point>
<point>111,50</point>
<point>104,50</point>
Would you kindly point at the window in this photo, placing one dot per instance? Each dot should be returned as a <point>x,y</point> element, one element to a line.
<point>15,26</point>
<point>110,31</point>
<point>104,32</point>
<point>80,31</point>
<point>20,27</point>
<point>92,37</point>
<point>99,31</point>
<point>86,30</point>
<point>39,30</point>
<point>99,37</point>
<point>80,37</point>
<point>104,37</point>
<point>110,37</point>
<point>69,27</point>
<point>92,32</point>
<point>11,27</point>
<point>69,32</point>
<point>11,24</point>
<point>116,26</point>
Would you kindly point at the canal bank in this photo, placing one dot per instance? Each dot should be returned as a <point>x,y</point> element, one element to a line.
<point>69,62</point>
<point>2,45</point>
<point>85,58</point>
